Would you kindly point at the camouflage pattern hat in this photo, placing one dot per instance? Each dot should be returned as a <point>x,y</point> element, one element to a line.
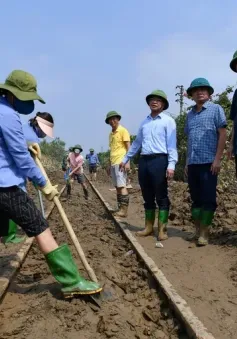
<point>22,85</point>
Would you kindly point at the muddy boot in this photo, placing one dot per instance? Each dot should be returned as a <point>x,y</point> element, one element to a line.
<point>195,235</point>
<point>119,204</point>
<point>123,209</point>
<point>149,223</point>
<point>69,189</point>
<point>86,194</point>
<point>206,220</point>
<point>162,225</point>
<point>65,271</point>
<point>11,237</point>
<point>196,214</point>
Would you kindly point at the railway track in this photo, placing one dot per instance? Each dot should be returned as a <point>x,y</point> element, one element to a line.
<point>142,304</point>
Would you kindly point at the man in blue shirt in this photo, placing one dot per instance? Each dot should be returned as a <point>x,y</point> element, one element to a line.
<point>206,132</point>
<point>156,138</point>
<point>93,161</point>
<point>16,165</point>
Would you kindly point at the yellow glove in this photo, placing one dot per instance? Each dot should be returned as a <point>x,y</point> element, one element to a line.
<point>34,149</point>
<point>49,191</point>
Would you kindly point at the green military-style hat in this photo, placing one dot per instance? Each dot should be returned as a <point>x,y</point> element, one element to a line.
<point>200,82</point>
<point>23,85</point>
<point>77,147</point>
<point>233,62</point>
<point>158,93</point>
<point>92,150</point>
<point>112,114</point>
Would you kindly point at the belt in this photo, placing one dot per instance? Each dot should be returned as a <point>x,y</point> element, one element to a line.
<point>154,155</point>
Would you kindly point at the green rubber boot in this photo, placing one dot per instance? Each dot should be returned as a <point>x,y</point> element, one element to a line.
<point>162,225</point>
<point>149,223</point>
<point>11,237</point>
<point>65,271</point>
<point>206,220</point>
<point>196,215</point>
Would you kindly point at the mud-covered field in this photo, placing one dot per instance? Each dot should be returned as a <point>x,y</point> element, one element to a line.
<point>33,307</point>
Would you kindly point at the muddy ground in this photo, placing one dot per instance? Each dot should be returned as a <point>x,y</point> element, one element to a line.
<point>205,277</point>
<point>33,307</point>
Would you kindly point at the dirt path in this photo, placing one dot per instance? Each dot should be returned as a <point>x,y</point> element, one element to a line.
<point>33,307</point>
<point>204,277</point>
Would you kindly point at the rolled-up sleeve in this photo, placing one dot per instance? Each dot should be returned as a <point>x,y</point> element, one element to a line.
<point>171,144</point>
<point>16,144</point>
<point>220,118</point>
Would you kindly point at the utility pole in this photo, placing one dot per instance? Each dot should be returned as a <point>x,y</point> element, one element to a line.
<point>180,94</point>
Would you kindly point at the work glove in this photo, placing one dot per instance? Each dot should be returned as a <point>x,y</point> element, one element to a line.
<point>49,190</point>
<point>34,149</point>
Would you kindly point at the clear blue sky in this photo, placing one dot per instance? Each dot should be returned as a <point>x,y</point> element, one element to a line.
<point>90,57</point>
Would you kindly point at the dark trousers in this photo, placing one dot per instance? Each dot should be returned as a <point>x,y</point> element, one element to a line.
<point>153,181</point>
<point>4,224</point>
<point>202,185</point>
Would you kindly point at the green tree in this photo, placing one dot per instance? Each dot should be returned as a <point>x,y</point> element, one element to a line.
<point>104,159</point>
<point>54,149</point>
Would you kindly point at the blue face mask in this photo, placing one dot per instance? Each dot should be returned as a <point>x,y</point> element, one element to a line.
<point>24,107</point>
<point>39,132</point>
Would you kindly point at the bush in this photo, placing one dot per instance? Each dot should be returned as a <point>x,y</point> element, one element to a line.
<point>54,149</point>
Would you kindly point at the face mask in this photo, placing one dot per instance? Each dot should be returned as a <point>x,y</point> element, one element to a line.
<point>39,132</point>
<point>77,151</point>
<point>24,107</point>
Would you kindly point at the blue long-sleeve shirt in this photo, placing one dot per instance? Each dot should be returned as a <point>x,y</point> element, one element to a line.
<point>156,135</point>
<point>16,163</point>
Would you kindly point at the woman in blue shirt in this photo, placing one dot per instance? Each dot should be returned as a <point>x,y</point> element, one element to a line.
<point>16,165</point>
<point>37,128</point>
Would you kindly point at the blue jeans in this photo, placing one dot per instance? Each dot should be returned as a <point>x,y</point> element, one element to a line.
<point>153,181</point>
<point>202,185</point>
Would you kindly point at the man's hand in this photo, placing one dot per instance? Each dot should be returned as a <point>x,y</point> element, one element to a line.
<point>215,167</point>
<point>169,174</point>
<point>230,152</point>
<point>35,150</point>
<point>122,167</point>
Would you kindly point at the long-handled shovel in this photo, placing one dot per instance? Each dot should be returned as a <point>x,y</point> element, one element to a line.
<point>72,234</point>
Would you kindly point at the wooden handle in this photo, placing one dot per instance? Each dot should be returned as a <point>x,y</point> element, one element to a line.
<point>70,230</point>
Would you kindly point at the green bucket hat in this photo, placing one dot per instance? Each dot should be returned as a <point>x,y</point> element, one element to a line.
<point>199,82</point>
<point>77,146</point>
<point>158,93</point>
<point>234,62</point>
<point>92,150</point>
<point>23,85</point>
<point>112,114</point>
